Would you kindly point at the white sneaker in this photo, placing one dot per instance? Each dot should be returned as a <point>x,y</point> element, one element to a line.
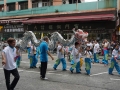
<point>45,78</point>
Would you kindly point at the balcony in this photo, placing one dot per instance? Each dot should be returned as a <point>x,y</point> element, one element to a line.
<point>63,8</point>
<point>11,1</point>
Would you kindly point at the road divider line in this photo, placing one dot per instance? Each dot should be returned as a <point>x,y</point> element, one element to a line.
<point>100,73</point>
<point>114,79</point>
<point>39,72</point>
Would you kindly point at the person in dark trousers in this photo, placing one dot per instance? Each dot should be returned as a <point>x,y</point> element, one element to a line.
<point>44,57</point>
<point>9,64</point>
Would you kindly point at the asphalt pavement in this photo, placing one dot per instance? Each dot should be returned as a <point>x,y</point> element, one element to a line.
<point>63,80</point>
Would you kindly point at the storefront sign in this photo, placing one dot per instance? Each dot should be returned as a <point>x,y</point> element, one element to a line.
<point>87,26</point>
<point>12,28</point>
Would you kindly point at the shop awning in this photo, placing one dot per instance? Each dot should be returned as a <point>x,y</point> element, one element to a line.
<point>72,18</point>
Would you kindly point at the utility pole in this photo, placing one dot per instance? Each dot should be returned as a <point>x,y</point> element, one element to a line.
<point>76,4</point>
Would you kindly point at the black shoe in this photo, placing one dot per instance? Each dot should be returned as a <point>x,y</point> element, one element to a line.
<point>31,67</point>
<point>71,71</point>
<point>34,67</point>
<point>54,68</point>
<point>64,70</point>
<point>78,72</point>
<point>111,74</point>
<point>88,74</point>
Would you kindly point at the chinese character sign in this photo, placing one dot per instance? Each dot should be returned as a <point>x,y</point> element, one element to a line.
<point>13,28</point>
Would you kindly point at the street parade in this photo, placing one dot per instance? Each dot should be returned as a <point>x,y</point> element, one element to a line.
<point>59,44</point>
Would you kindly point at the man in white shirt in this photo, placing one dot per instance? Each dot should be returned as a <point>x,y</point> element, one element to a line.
<point>96,51</point>
<point>60,54</point>
<point>9,64</point>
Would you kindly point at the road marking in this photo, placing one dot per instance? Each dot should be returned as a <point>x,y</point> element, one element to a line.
<point>20,70</point>
<point>100,73</point>
<point>32,71</point>
<point>114,79</point>
<point>29,62</point>
<point>51,71</point>
<point>25,62</point>
<point>39,72</point>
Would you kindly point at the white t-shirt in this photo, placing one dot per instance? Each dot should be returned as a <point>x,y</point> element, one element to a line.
<point>18,53</point>
<point>88,54</point>
<point>10,54</point>
<point>33,52</point>
<point>96,48</point>
<point>76,55</point>
<point>106,45</point>
<point>60,54</point>
<point>114,53</point>
<point>29,44</point>
<point>90,45</point>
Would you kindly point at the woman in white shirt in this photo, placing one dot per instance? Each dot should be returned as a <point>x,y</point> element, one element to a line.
<point>76,57</point>
<point>96,51</point>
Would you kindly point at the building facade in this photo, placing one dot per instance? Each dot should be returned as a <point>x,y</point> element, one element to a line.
<point>99,18</point>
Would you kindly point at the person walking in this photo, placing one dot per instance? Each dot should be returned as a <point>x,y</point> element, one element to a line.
<point>18,58</point>
<point>115,60</point>
<point>96,52</point>
<point>61,58</point>
<point>105,50</point>
<point>44,57</point>
<point>9,64</point>
<point>76,52</point>
<point>29,49</point>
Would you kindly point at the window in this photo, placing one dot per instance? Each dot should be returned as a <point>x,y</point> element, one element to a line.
<point>34,5</point>
<point>23,6</point>
<point>74,1</point>
<point>47,3</point>
<point>11,7</point>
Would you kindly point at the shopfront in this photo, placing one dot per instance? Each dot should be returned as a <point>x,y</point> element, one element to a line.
<point>96,29</point>
<point>11,30</point>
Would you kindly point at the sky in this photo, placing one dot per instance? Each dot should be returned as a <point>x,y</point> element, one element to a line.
<point>90,0</point>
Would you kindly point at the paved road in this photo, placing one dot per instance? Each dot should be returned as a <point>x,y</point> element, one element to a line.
<point>63,80</point>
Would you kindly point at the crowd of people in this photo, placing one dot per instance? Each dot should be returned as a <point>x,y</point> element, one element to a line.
<point>76,54</point>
